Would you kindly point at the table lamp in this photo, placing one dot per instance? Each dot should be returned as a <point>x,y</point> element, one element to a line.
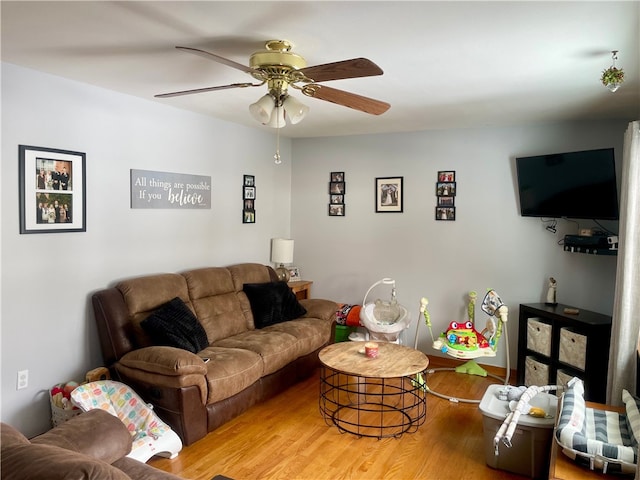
<point>281,253</point>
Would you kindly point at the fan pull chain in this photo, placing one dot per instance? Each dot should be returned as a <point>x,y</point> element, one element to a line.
<point>276,157</point>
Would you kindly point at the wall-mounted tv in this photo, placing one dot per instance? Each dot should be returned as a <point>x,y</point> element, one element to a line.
<point>572,185</point>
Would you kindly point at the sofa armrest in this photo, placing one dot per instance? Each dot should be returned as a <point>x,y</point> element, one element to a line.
<point>169,361</point>
<point>319,308</point>
<point>168,367</point>
<point>95,433</point>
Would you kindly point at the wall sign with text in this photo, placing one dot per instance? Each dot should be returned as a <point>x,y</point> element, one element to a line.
<point>150,189</point>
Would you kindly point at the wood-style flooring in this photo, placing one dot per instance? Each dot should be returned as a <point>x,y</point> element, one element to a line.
<point>286,438</point>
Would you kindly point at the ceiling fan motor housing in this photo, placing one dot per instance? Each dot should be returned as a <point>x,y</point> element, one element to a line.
<point>277,53</point>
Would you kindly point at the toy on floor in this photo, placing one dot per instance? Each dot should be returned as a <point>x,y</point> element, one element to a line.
<point>463,341</point>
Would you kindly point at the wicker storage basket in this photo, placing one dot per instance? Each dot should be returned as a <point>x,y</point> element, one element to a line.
<point>61,415</point>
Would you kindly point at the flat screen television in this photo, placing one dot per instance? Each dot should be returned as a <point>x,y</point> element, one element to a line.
<point>572,185</point>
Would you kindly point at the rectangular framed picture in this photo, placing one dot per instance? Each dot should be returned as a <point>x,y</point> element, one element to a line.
<point>337,198</point>
<point>337,188</point>
<point>294,274</point>
<point>249,193</point>
<point>248,216</point>
<point>445,213</point>
<point>337,176</point>
<point>336,210</point>
<point>52,186</point>
<point>446,201</point>
<point>446,189</point>
<point>446,176</point>
<point>249,180</point>
<point>389,194</point>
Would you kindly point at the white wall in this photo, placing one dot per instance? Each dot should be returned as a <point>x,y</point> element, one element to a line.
<point>47,279</point>
<point>488,246</point>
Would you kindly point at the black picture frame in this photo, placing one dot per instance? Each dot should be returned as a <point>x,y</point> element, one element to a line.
<point>446,189</point>
<point>446,213</point>
<point>389,194</point>
<point>249,180</point>
<point>337,188</point>
<point>337,209</point>
<point>446,201</point>
<point>248,216</point>
<point>54,180</point>
<point>446,176</point>
<point>337,176</point>
<point>248,193</point>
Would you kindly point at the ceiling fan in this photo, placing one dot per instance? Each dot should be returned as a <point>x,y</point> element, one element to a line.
<point>280,68</point>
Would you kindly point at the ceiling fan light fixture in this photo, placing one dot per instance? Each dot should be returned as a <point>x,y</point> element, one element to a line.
<point>277,118</point>
<point>294,110</point>
<point>263,109</point>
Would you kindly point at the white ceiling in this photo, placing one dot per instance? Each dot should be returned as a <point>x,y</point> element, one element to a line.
<point>446,64</point>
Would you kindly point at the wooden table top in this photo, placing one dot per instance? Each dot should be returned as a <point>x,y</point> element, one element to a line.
<point>393,360</point>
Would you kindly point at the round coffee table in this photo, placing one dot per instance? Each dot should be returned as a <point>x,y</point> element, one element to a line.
<point>373,397</point>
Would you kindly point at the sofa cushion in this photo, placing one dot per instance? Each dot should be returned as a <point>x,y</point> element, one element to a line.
<point>230,371</point>
<point>174,325</point>
<point>272,302</point>
<point>27,462</point>
<point>216,302</point>
<point>276,349</point>
<point>142,295</point>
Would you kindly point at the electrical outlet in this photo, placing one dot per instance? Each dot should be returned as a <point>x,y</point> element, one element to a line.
<point>23,379</point>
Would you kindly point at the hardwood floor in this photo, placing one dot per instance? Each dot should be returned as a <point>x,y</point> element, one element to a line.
<point>286,438</point>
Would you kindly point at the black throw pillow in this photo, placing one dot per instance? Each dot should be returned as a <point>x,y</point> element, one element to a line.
<point>272,302</point>
<point>174,325</point>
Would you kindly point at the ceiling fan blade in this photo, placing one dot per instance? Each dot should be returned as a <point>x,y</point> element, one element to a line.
<point>208,89</point>
<point>217,58</point>
<point>354,68</point>
<point>346,99</point>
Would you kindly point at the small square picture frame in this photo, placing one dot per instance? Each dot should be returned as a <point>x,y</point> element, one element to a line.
<point>337,209</point>
<point>446,176</point>
<point>248,216</point>
<point>337,188</point>
<point>446,213</point>
<point>249,180</point>
<point>337,199</point>
<point>446,189</point>
<point>337,176</point>
<point>248,193</point>
<point>294,274</point>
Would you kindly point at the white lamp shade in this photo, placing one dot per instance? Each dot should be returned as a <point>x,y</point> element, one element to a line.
<point>277,118</point>
<point>281,250</point>
<point>262,109</point>
<point>294,110</point>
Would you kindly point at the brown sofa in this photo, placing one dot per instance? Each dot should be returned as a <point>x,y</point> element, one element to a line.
<point>247,364</point>
<point>88,446</point>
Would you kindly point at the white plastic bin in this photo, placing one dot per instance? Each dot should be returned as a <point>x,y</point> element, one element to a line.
<point>531,441</point>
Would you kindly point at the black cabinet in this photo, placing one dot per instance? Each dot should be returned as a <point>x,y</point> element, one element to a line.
<point>564,345</point>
